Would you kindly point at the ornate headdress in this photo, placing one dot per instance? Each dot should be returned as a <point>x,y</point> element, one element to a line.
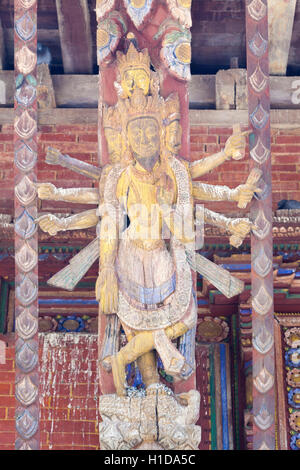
<point>133,59</point>
<point>140,105</point>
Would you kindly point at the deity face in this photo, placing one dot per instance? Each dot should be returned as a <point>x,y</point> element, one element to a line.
<point>144,137</point>
<point>173,136</point>
<point>114,144</point>
<point>135,78</point>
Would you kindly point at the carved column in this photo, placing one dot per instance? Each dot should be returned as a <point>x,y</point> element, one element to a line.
<point>26,241</point>
<point>261,213</point>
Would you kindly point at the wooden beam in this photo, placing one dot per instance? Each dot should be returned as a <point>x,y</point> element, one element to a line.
<point>81,91</point>
<point>2,48</point>
<point>75,35</point>
<point>281,22</point>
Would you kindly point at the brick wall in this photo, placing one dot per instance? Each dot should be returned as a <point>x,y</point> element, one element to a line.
<point>80,141</point>
<point>68,393</point>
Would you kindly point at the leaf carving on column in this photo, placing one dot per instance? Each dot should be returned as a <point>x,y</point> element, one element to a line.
<point>26,291</point>
<point>260,153</point>
<point>258,45</point>
<point>26,390</point>
<point>25,125</point>
<point>25,191</point>
<point>26,323</point>
<point>264,381</point>
<point>262,301</point>
<point>25,27</point>
<point>25,226</point>
<point>26,355</point>
<point>26,423</point>
<point>26,258</point>
<point>25,60</point>
<point>257,10</point>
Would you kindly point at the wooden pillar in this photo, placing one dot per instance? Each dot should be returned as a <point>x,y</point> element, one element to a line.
<point>26,241</point>
<point>261,240</point>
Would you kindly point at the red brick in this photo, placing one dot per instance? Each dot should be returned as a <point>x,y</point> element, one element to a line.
<point>85,427</point>
<point>8,366</point>
<point>10,413</point>
<point>288,139</point>
<point>10,351</point>
<point>81,390</point>
<point>286,149</point>
<point>87,137</point>
<point>7,438</point>
<point>49,414</point>
<point>57,138</point>
<point>198,130</point>
<point>8,401</point>
<point>204,139</point>
<point>2,412</point>
<point>7,377</point>
<point>76,128</point>
<point>286,158</point>
<point>7,447</point>
<point>278,167</point>
<point>6,137</point>
<point>220,130</point>
<point>7,425</point>
<point>89,414</point>
<point>61,438</point>
<point>4,389</point>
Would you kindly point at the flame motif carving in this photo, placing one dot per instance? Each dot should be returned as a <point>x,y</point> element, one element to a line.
<point>25,60</point>
<point>25,191</point>
<point>26,424</point>
<point>259,117</point>
<point>26,324</point>
<point>264,226</point>
<point>26,291</point>
<point>25,158</point>
<point>26,258</point>
<point>263,341</point>
<point>27,356</point>
<point>258,80</point>
<point>257,10</point>
<point>260,153</point>
<point>262,302</point>
<point>264,381</point>
<point>264,419</point>
<point>258,45</point>
<point>25,125</point>
<point>26,391</point>
<point>25,226</point>
<point>25,27</point>
<point>262,263</point>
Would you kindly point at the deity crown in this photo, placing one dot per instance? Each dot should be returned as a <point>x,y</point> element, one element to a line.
<point>140,105</point>
<point>133,59</point>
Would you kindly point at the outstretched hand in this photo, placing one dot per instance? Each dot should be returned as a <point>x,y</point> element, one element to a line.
<point>236,143</point>
<point>46,191</point>
<point>49,223</point>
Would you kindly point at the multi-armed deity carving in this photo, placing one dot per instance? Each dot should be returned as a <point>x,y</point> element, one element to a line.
<point>145,242</point>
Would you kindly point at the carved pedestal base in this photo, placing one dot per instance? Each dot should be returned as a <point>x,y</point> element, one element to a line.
<point>155,419</point>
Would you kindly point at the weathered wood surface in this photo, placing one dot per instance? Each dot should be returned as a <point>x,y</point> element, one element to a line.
<point>205,91</point>
<point>26,239</point>
<point>262,293</point>
<point>75,35</point>
<point>281,22</point>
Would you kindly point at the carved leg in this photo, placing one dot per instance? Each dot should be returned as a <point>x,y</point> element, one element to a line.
<point>139,348</point>
<point>148,368</point>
